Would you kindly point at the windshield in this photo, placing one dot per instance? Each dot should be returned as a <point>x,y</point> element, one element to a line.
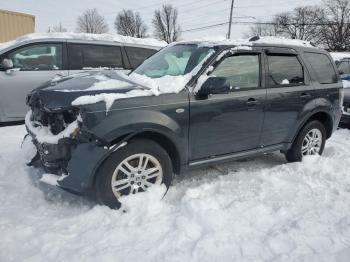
<point>173,61</point>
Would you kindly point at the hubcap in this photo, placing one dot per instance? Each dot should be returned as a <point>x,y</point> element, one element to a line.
<point>312,142</point>
<point>135,174</point>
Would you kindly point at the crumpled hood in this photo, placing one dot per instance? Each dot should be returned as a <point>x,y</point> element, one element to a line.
<point>61,91</point>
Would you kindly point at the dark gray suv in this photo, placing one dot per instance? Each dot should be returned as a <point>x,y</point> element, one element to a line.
<point>237,100</point>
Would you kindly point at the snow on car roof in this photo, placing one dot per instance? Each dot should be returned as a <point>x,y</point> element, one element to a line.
<point>267,40</point>
<point>337,56</point>
<point>84,36</point>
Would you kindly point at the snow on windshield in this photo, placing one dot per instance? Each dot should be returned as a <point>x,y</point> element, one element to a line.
<point>150,86</point>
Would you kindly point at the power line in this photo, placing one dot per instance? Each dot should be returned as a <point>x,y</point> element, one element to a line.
<point>257,23</point>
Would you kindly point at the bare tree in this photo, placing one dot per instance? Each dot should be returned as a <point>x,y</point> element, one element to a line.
<point>302,23</point>
<point>56,28</point>
<point>92,22</point>
<point>131,24</point>
<point>165,24</point>
<point>335,22</point>
<point>262,29</point>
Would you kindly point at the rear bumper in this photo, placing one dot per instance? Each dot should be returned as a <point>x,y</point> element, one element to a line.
<point>337,114</point>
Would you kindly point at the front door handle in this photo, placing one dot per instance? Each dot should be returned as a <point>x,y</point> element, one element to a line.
<point>305,96</point>
<point>252,102</point>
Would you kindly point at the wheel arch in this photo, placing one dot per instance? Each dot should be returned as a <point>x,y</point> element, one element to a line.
<point>321,116</point>
<point>169,144</point>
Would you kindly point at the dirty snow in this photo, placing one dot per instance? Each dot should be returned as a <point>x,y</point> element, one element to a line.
<point>260,209</point>
<point>84,36</point>
<point>43,134</point>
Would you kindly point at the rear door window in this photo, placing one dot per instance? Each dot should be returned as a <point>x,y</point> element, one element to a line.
<point>85,56</point>
<point>285,70</point>
<point>38,57</point>
<point>137,55</point>
<point>322,67</point>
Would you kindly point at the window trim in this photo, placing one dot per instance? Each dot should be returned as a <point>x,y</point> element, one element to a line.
<point>243,53</point>
<point>282,85</point>
<point>64,54</point>
<point>69,44</point>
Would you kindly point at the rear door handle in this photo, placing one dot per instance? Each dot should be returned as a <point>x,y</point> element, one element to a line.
<point>305,95</point>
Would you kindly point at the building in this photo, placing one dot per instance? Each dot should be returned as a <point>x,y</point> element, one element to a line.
<point>13,25</point>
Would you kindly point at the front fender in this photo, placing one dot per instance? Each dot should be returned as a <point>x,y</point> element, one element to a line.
<point>115,128</point>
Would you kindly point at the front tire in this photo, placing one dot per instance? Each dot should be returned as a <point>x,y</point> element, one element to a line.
<point>132,169</point>
<point>310,141</point>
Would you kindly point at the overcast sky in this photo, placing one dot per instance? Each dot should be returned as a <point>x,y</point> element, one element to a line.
<point>192,13</point>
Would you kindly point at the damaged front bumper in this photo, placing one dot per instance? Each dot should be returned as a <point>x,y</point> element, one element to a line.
<point>70,158</point>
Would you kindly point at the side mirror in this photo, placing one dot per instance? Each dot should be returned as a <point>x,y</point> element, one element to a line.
<point>340,72</point>
<point>214,85</point>
<point>6,64</point>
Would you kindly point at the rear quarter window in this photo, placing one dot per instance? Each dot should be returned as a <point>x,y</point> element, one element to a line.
<point>322,67</point>
<point>137,55</point>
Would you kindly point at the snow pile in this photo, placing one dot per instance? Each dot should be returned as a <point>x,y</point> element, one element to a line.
<point>84,36</point>
<point>337,56</point>
<point>259,209</point>
<point>43,134</point>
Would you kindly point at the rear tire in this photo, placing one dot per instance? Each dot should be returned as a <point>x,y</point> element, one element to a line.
<point>310,141</point>
<point>132,169</point>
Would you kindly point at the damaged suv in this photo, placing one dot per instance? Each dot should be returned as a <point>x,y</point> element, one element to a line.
<point>189,105</point>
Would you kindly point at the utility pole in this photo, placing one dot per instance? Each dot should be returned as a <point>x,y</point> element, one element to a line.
<point>229,25</point>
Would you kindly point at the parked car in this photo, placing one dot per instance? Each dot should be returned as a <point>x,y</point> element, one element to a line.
<point>36,58</point>
<point>234,101</point>
<point>345,119</point>
<point>344,68</point>
<point>344,71</point>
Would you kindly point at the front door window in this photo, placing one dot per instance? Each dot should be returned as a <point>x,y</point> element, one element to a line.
<point>38,57</point>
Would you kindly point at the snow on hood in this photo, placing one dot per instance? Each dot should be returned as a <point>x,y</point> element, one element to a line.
<point>84,36</point>
<point>149,87</point>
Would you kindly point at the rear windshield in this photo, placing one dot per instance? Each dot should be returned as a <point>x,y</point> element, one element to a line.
<point>322,67</point>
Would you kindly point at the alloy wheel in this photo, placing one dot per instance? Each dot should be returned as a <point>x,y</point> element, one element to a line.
<point>136,174</point>
<point>312,142</point>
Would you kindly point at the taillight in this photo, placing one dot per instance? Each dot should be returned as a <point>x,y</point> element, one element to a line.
<point>341,96</point>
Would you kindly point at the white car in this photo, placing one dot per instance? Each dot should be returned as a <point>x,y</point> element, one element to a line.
<point>34,59</point>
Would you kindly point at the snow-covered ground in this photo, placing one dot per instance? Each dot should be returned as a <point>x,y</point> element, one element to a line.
<point>260,209</point>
